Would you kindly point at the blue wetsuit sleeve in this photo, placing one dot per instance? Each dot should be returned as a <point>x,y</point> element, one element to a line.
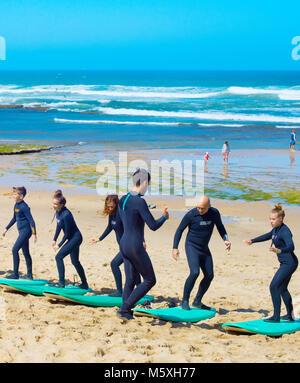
<point>220,227</point>
<point>67,224</point>
<point>262,238</point>
<point>58,230</point>
<point>146,215</point>
<point>186,220</point>
<point>106,231</point>
<point>288,240</point>
<point>27,213</point>
<point>12,222</point>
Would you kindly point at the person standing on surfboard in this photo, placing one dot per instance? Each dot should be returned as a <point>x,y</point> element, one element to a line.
<point>26,228</point>
<point>200,221</point>
<point>114,223</point>
<point>134,212</point>
<point>72,235</point>
<point>282,240</point>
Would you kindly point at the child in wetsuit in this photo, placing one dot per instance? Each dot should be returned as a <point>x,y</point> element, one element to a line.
<point>26,228</point>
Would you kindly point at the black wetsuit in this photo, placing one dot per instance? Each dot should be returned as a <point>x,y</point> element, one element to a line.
<point>66,222</point>
<point>26,228</point>
<point>134,212</point>
<point>282,239</point>
<point>115,223</point>
<point>196,247</point>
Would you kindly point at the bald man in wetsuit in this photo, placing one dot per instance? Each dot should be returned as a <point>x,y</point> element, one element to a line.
<point>200,221</point>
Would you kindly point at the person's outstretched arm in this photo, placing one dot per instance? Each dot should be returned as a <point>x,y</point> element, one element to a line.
<point>146,215</point>
<point>221,228</point>
<point>262,238</point>
<point>106,231</point>
<point>182,226</point>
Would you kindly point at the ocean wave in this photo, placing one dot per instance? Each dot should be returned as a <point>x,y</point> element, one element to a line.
<point>282,94</point>
<point>219,116</point>
<point>139,92</point>
<point>112,122</point>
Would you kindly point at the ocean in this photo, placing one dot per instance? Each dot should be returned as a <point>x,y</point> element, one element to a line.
<point>168,114</point>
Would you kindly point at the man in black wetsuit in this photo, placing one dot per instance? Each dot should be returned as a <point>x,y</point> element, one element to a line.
<point>201,221</point>
<point>134,212</point>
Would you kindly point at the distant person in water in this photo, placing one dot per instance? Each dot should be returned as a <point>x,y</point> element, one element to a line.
<point>115,223</point>
<point>283,246</point>
<point>225,152</point>
<point>26,229</point>
<point>70,242</point>
<point>200,222</point>
<point>206,158</point>
<point>293,140</point>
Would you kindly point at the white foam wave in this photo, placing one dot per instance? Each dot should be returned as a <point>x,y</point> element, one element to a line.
<point>219,116</point>
<point>70,121</point>
<point>282,94</point>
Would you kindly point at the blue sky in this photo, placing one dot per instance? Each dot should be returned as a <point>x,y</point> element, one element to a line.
<point>149,34</point>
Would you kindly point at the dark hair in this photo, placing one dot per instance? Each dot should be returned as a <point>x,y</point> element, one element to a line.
<point>278,209</point>
<point>20,190</point>
<point>226,142</point>
<point>58,195</point>
<point>139,176</point>
<point>115,199</point>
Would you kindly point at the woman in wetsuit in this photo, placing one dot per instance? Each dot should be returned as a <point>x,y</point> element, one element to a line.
<point>282,245</point>
<point>114,223</point>
<point>72,235</point>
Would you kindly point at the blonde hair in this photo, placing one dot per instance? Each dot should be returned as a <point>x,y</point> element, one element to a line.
<point>278,210</point>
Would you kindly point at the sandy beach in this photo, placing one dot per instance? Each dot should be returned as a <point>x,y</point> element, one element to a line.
<point>34,329</point>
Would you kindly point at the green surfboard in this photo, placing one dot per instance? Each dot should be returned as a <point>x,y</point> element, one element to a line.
<point>264,328</point>
<point>177,314</point>
<point>94,300</point>
<point>34,286</point>
<point>67,290</point>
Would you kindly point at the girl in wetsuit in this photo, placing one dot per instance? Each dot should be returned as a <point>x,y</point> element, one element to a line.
<point>134,212</point>
<point>26,229</point>
<point>72,235</point>
<point>282,245</point>
<point>114,223</point>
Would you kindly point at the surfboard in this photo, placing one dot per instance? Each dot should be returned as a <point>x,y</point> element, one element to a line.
<point>93,300</point>
<point>67,290</point>
<point>177,314</point>
<point>264,328</point>
<point>34,286</point>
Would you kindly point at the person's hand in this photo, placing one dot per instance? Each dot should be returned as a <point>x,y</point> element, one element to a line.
<point>175,254</point>
<point>247,242</point>
<point>4,232</point>
<point>165,213</point>
<point>275,250</point>
<point>34,238</point>
<point>228,245</point>
<point>55,246</point>
<point>95,240</point>
<point>145,246</point>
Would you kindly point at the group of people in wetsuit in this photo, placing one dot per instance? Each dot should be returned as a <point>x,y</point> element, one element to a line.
<point>127,217</point>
